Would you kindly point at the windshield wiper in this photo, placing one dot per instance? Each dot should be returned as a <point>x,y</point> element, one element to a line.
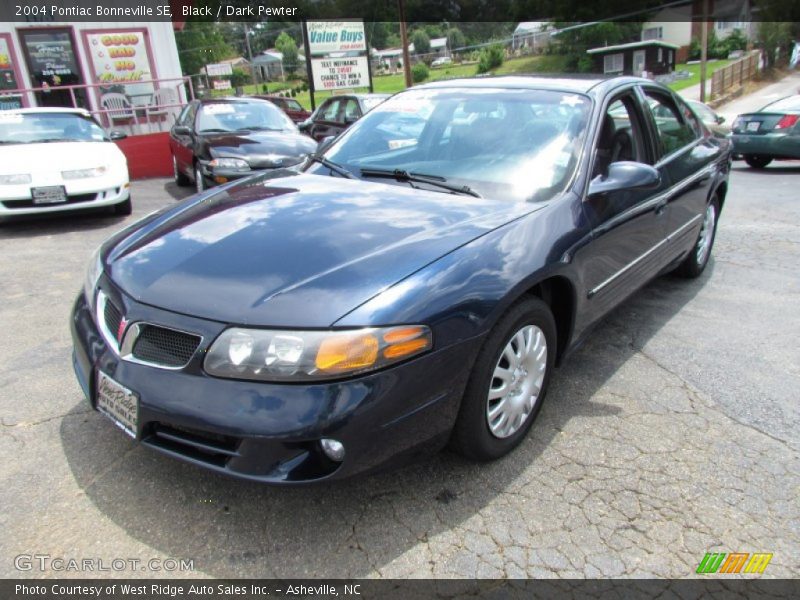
<point>331,165</point>
<point>214,130</point>
<point>258,128</point>
<point>402,175</point>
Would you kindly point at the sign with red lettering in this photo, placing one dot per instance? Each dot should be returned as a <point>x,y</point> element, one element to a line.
<point>340,73</point>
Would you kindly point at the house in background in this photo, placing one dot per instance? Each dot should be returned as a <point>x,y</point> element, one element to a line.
<point>535,35</point>
<point>438,48</point>
<point>270,65</point>
<point>653,57</point>
<point>236,63</point>
<point>673,26</point>
<point>390,59</point>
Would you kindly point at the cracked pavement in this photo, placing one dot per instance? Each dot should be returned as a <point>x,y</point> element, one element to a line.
<point>671,433</point>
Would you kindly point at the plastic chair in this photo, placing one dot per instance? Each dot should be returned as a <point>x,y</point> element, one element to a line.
<point>119,109</point>
<point>160,106</point>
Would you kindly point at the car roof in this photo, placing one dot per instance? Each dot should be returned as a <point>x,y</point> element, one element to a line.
<point>564,83</point>
<point>50,110</point>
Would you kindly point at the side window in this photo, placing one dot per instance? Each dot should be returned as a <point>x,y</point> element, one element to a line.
<point>620,136</point>
<point>673,131</point>
<point>351,110</point>
<point>691,119</point>
<point>183,118</point>
<point>330,111</point>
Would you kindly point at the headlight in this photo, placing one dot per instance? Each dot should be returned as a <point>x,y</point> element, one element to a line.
<point>272,355</point>
<point>236,164</point>
<point>93,272</point>
<point>84,173</point>
<point>17,179</point>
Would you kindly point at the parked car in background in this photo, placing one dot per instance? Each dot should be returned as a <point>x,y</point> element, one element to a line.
<point>442,61</point>
<point>336,114</point>
<point>59,159</point>
<point>216,141</point>
<point>715,122</point>
<point>416,284</point>
<point>290,106</point>
<point>772,133</point>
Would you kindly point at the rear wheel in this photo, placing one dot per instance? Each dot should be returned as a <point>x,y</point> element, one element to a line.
<point>695,263</point>
<point>757,161</point>
<point>180,177</point>
<point>508,383</point>
<point>123,208</point>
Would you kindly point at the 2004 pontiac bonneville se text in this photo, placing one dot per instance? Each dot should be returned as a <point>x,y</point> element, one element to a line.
<point>415,285</point>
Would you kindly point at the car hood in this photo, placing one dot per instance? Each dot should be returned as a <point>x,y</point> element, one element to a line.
<point>36,158</point>
<point>294,251</point>
<point>255,145</point>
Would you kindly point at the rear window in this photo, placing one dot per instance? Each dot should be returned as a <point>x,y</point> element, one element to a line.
<point>790,103</point>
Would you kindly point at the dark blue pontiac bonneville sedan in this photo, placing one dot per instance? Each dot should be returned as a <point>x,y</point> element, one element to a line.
<point>412,285</point>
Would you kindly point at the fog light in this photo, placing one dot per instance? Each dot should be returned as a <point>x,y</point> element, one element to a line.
<point>332,449</point>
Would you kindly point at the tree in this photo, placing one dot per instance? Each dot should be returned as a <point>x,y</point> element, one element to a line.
<point>421,41</point>
<point>575,42</point>
<point>199,44</point>
<point>772,36</point>
<point>455,39</point>
<point>419,72</point>
<point>490,58</point>
<point>286,45</point>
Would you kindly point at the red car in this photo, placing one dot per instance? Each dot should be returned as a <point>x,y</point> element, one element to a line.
<point>290,106</point>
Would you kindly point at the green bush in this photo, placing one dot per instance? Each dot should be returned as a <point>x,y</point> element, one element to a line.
<point>490,58</point>
<point>419,72</point>
<point>239,77</point>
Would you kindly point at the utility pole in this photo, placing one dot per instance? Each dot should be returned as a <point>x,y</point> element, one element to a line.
<point>703,50</point>
<point>249,53</point>
<point>404,40</point>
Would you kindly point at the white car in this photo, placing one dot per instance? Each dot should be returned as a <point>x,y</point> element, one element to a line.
<point>59,159</point>
<point>442,61</point>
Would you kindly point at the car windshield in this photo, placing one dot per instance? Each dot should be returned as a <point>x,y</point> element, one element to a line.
<point>790,103</point>
<point>33,128</point>
<point>512,143</point>
<point>242,116</point>
<point>371,102</point>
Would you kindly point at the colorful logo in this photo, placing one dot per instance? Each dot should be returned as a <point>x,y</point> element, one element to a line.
<point>735,562</point>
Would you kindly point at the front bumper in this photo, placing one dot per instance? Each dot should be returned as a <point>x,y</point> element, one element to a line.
<point>776,145</point>
<point>19,204</point>
<point>270,432</point>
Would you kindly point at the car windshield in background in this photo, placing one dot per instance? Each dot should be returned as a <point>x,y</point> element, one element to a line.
<point>33,128</point>
<point>515,144</point>
<point>371,102</point>
<point>224,117</point>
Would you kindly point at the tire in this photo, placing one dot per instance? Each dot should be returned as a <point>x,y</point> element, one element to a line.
<point>123,208</point>
<point>199,183</point>
<point>757,161</point>
<point>478,433</point>
<point>695,263</point>
<point>180,178</point>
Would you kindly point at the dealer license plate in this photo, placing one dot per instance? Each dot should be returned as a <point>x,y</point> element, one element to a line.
<point>118,403</point>
<point>51,194</point>
<point>753,125</point>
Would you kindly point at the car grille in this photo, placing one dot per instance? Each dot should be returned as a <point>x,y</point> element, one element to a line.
<point>164,347</point>
<point>71,199</point>
<point>203,446</point>
<point>112,317</point>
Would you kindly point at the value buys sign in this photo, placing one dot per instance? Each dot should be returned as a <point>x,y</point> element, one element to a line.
<point>326,37</point>
<point>340,73</point>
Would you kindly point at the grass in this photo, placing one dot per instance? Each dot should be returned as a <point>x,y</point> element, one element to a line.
<point>694,69</point>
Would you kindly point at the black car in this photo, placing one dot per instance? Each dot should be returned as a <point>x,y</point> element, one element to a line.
<point>414,286</point>
<point>216,141</point>
<point>336,114</point>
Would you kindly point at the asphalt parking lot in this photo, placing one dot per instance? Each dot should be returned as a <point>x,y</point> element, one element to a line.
<point>672,433</point>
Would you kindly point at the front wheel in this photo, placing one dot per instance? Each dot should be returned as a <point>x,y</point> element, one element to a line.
<point>757,161</point>
<point>695,263</point>
<point>508,383</point>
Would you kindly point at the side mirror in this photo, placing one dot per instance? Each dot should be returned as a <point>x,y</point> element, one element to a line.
<point>116,135</point>
<point>304,125</point>
<point>182,130</point>
<point>325,143</point>
<point>625,175</point>
<point>720,119</point>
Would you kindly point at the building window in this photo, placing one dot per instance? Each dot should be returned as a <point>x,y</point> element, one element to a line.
<point>660,55</point>
<point>613,63</point>
<point>653,33</point>
<point>727,25</point>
